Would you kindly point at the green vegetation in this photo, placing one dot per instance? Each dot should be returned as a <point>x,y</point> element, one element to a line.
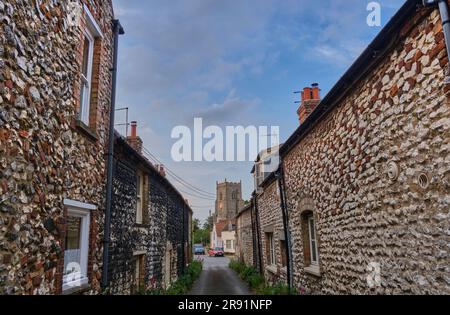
<point>201,235</point>
<point>256,281</point>
<point>184,283</point>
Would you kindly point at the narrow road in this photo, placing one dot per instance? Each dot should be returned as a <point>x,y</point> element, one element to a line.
<point>218,279</point>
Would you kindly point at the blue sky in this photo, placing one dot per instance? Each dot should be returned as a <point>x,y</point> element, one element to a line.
<point>233,63</point>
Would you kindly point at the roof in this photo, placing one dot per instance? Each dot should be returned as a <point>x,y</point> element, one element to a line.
<point>245,209</point>
<point>224,226</point>
<point>266,152</point>
<point>123,142</point>
<point>272,177</point>
<point>369,59</point>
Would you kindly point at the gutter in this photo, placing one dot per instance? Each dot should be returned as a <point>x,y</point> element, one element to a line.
<point>117,30</point>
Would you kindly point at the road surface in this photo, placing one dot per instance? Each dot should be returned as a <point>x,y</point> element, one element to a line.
<point>218,279</point>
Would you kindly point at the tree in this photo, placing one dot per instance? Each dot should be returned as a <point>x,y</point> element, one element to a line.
<point>208,225</point>
<point>196,224</point>
<point>201,236</point>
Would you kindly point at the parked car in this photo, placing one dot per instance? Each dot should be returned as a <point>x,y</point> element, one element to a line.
<point>199,249</point>
<point>216,252</point>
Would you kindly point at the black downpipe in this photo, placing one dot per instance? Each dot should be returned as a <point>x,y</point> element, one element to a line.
<point>183,246</point>
<point>255,241</point>
<point>445,17</point>
<point>117,30</point>
<point>287,234</point>
<point>258,234</point>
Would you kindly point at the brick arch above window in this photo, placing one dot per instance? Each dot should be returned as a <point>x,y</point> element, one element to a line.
<point>306,205</point>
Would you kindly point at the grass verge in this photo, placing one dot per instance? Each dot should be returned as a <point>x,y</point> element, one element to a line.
<point>184,283</point>
<point>256,281</point>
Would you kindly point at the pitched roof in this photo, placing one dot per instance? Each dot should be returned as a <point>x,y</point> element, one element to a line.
<point>224,226</point>
<point>369,59</point>
<point>121,141</point>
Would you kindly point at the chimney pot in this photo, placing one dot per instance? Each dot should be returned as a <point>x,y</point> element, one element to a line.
<point>310,100</point>
<point>133,129</point>
<point>315,91</point>
<point>134,141</point>
<point>307,94</point>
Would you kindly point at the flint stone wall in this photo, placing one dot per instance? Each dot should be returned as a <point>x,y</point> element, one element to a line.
<point>44,158</point>
<point>399,113</point>
<point>271,220</point>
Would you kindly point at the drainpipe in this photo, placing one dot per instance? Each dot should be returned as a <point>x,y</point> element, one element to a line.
<point>183,246</point>
<point>287,234</point>
<point>258,234</point>
<point>117,30</point>
<point>255,241</point>
<point>445,17</point>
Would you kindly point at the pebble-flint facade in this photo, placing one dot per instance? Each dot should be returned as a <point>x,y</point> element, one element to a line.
<point>55,97</point>
<point>150,224</point>
<point>360,203</point>
<point>52,160</point>
<point>366,176</point>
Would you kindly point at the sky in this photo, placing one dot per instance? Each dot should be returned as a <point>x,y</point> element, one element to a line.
<point>231,63</point>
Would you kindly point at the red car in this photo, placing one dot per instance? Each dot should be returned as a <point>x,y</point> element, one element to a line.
<point>216,252</point>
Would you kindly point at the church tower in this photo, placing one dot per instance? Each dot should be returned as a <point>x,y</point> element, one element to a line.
<point>228,200</point>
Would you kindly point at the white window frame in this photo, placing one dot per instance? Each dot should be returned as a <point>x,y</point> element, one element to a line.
<point>314,251</point>
<point>91,32</point>
<point>86,82</point>
<point>140,198</point>
<point>83,211</point>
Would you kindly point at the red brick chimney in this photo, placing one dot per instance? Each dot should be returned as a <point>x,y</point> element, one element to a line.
<point>134,141</point>
<point>309,102</point>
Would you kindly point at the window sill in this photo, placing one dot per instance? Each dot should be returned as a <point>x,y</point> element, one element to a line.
<point>83,287</point>
<point>272,269</point>
<point>313,270</point>
<point>85,130</point>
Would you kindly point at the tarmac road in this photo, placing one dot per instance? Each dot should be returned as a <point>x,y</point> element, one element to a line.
<point>218,279</point>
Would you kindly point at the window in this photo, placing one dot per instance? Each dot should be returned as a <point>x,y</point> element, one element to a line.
<point>271,249</point>
<point>138,273</point>
<point>76,248</point>
<point>140,184</point>
<point>229,244</point>
<point>310,243</point>
<point>91,33</point>
<point>313,241</point>
<point>86,76</point>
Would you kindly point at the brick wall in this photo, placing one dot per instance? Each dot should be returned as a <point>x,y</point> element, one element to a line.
<point>44,157</point>
<point>271,221</point>
<point>244,237</point>
<point>396,117</point>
